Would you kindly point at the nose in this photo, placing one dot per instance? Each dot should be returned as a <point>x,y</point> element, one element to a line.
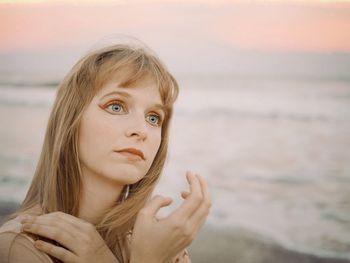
<point>137,128</point>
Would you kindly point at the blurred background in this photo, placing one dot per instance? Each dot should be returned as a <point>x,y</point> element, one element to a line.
<point>263,112</point>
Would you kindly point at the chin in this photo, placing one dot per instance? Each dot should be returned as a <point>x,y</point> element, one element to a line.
<point>127,176</point>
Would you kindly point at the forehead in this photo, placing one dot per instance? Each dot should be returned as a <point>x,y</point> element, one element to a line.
<point>146,90</point>
<point>125,76</point>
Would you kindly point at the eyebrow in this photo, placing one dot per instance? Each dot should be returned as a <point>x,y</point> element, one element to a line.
<point>122,93</point>
<point>127,95</point>
<point>161,107</point>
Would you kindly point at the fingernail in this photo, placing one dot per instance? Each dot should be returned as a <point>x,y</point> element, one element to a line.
<point>25,218</point>
<point>38,243</point>
<point>22,227</point>
<point>189,173</point>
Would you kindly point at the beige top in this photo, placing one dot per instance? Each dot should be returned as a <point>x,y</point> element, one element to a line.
<point>17,247</point>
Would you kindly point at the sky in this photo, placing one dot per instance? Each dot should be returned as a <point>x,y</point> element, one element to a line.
<point>309,25</point>
<point>176,29</point>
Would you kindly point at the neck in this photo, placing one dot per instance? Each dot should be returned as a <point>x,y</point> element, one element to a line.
<point>98,195</point>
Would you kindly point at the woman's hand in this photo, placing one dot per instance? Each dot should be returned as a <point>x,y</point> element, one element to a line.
<point>159,240</point>
<point>81,240</point>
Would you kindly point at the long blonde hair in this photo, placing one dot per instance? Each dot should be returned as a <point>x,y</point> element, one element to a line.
<point>56,185</point>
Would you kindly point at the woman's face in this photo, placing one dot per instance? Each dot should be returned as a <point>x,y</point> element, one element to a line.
<point>116,119</point>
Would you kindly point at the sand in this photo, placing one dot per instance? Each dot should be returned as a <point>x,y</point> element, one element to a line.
<point>240,246</point>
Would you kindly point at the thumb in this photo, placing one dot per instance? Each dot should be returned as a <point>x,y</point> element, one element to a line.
<point>156,203</point>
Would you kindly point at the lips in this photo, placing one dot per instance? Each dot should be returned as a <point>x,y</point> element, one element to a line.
<point>132,151</point>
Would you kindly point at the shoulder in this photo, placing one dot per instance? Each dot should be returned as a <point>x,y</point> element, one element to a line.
<point>18,247</point>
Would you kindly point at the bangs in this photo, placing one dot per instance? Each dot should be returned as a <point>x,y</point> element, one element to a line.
<point>131,68</point>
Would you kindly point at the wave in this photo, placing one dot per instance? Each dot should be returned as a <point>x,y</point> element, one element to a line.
<point>29,84</point>
<point>14,180</point>
<point>25,103</point>
<point>215,112</point>
<point>273,115</point>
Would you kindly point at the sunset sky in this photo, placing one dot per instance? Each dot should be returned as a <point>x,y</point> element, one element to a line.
<point>299,37</point>
<point>304,25</point>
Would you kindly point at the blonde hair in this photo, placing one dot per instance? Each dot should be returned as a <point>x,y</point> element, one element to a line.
<point>56,185</point>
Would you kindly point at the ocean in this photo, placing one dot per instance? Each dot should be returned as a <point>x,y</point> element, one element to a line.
<point>275,153</point>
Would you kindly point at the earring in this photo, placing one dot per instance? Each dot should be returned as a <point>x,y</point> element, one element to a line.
<point>126,194</point>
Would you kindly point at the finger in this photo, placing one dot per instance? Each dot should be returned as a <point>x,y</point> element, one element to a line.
<point>58,252</point>
<point>205,190</point>
<point>185,194</point>
<point>46,219</point>
<point>50,220</point>
<point>192,202</point>
<point>54,233</point>
<point>155,204</point>
<point>72,221</point>
<point>199,217</point>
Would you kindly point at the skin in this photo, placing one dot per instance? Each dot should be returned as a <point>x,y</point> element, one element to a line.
<point>133,124</point>
<point>112,123</point>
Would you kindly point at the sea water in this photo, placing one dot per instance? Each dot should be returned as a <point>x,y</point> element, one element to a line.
<point>275,154</point>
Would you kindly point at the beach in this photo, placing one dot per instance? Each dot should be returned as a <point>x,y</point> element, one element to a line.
<point>214,244</point>
<point>220,245</point>
<point>275,154</point>
<point>262,113</point>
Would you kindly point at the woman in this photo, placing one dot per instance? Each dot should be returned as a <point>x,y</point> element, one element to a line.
<point>103,153</point>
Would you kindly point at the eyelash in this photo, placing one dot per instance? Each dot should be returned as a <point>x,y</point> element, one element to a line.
<point>160,120</point>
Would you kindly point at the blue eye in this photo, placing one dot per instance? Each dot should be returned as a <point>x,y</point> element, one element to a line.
<point>154,119</point>
<point>115,106</point>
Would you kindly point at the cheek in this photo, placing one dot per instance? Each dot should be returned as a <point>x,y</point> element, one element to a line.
<point>156,144</point>
<point>159,142</point>
<point>85,142</point>
<point>91,136</point>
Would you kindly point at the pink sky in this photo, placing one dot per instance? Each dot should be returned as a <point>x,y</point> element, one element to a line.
<point>261,25</point>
